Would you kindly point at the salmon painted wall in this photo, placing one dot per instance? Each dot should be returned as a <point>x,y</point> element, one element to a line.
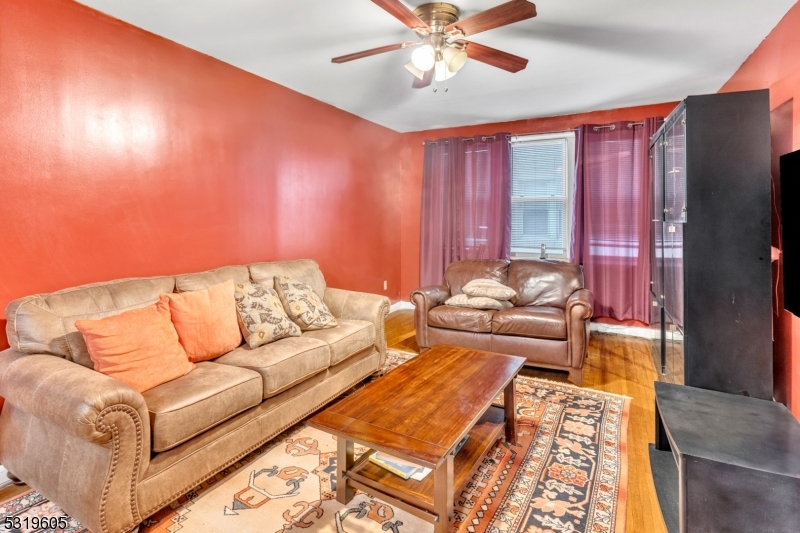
<point>775,65</point>
<point>412,163</point>
<point>125,154</point>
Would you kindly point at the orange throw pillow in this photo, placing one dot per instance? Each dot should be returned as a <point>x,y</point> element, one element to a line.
<point>206,321</point>
<point>139,347</point>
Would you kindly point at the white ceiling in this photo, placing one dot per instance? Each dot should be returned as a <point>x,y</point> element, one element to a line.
<point>584,54</point>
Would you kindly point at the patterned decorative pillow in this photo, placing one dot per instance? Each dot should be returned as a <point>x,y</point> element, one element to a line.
<point>478,302</point>
<point>488,288</point>
<point>261,315</point>
<point>303,305</point>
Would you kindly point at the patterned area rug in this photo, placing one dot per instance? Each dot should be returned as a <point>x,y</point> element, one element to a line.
<point>567,474</point>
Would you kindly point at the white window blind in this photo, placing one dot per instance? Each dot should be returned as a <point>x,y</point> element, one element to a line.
<point>542,167</point>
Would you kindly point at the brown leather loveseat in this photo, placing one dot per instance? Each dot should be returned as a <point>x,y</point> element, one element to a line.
<point>549,323</point>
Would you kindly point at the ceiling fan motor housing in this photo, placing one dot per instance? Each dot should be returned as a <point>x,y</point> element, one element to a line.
<point>438,15</point>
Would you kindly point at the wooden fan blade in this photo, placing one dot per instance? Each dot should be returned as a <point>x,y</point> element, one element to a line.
<point>502,15</point>
<point>367,53</point>
<point>424,82</point>
<point>402,13</point>
<point>495,58</point>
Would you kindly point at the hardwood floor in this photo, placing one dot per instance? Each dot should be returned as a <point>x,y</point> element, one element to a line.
<point>617,364</point>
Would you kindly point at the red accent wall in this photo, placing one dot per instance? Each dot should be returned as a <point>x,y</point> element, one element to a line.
<point>775,65</point>
<point>125,154</point>
<point>412,163</point>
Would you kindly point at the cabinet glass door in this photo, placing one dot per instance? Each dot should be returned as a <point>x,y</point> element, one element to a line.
<point>657,160</point>
<point>657,261</point>
<point>673,352</point>
<point>673,272</point>
<point>657,334</point>
<point>675,171</point>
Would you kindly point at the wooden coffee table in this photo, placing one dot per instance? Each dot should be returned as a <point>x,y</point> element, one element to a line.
<point>419,412</point>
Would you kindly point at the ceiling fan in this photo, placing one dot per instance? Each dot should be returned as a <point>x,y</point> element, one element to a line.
<point>442,50</point>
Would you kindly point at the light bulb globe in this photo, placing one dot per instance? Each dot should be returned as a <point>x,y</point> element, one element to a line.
<point>442,72</point>
<point>424,57</point>
<point>455,58</point>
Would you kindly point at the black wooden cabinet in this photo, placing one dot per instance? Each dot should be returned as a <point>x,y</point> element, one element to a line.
<point>725,463</point>
<point>711,274</point>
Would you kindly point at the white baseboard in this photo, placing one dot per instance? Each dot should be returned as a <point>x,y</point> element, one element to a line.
<point>4,477</point>
<point>397,306</point>
<point>631,331</point>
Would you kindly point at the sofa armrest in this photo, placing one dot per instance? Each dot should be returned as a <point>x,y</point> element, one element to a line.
<point>579,309</point>
<point>361,306</point>
<point>425,299</point>
<point>76,435</point>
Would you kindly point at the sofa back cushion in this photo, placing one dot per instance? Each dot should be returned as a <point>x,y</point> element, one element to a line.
<point>203,280</point>
<point>543,282</point>
<point>45,323</point>
<point>460,273</point>
<point>304,270</point>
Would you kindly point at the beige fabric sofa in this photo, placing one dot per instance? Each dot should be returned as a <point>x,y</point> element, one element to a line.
<point>110,456</point>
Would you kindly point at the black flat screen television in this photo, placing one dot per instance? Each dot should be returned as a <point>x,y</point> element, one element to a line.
<point>790,235</point>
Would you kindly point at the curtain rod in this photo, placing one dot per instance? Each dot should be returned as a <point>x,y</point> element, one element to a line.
<point>484,138</point>
<point>612,127</point>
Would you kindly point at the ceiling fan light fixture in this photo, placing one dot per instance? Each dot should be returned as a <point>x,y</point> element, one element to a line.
<point>455,58</point>
<point>442,72</point>
<point>424,57</point>
<point>414,70</point>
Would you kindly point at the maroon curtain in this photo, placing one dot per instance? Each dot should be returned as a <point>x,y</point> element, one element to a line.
<point>466,203</point>
<point>612,216</point>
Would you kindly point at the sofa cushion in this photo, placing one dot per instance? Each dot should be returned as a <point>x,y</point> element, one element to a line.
<point>203,398</point>
<point>282,363</point>
<point>461,318</point>
<point>543,283</point>
<point>460,273</point>
<point>204,280</point>
<point>349,338</point>
<point>304,270</point>
<point>45,323</point>
<point>533,321</point>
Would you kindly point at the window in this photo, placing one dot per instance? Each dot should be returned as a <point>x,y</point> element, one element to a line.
<point>542,170</point>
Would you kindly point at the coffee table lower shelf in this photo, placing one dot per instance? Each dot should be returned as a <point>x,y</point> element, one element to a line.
<point>417,497</point>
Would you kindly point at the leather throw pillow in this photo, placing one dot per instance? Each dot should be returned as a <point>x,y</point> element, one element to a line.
<point>261,315</point>
<point>139,347</point>
<point>488,288</point>
<point>303,305</point>
<point>478,302</point>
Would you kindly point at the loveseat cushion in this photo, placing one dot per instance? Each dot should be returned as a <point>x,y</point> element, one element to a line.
<point>345,340</point>
<point>203,398</point>
<point>536,322</point>
<point>543,282</point>
<point>460,273</point>
<point>461,318</point>
<point>282,363</point>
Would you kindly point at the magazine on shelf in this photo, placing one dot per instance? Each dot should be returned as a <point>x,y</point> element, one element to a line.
<point>395,465</point>
<point>406,469</point>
